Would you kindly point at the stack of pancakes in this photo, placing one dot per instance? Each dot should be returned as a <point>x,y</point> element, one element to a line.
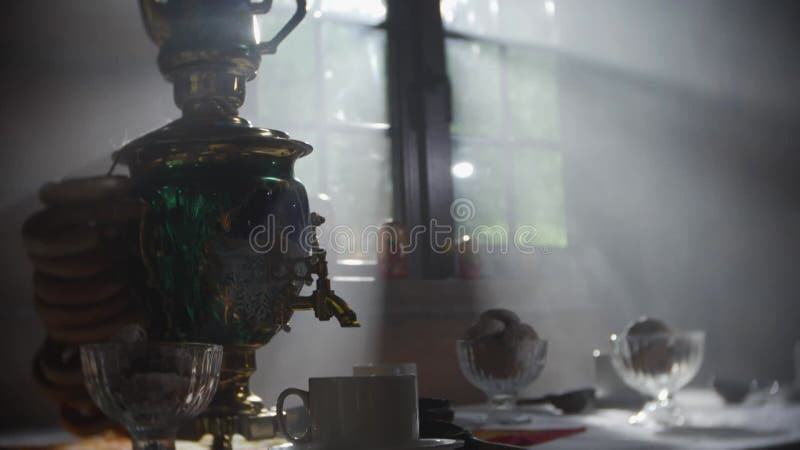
<point>80,247</point>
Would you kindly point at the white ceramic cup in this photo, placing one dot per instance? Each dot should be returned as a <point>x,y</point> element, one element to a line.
<point>357,412</point>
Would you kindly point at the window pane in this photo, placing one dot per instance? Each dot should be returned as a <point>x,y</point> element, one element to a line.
<point>480,183</point>
<point>354,72</point>
<point>511,187</point>
<point>474,70</point>
<point>481,17</point>
<point>505,97</point>
<point>532,94</point>
<point>528,21</point>
<point>539,194</point>
<point>370,12</point>
<point>284,93</point>
<point>359,185</point>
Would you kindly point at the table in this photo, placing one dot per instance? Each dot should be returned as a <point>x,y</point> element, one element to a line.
<point>713,426</point>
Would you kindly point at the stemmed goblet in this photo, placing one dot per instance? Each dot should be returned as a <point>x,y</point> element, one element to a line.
<point>502,374</point>
<point>151,388</point>
<point>659,364</point>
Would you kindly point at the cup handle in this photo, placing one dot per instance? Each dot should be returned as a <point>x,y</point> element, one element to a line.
<point>306,436</point>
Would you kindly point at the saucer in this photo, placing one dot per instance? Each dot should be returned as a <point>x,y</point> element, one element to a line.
<point>421,444</point>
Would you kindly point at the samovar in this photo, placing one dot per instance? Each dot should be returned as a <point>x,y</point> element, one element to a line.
<point>227,238</point>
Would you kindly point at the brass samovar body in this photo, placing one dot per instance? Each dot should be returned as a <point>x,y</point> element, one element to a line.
<point>227,238</point>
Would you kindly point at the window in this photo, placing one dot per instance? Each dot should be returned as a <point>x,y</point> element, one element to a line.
<point>505,129</point>
<point>327,86</point>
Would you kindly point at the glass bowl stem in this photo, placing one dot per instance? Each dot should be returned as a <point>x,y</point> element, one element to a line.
<point>503,409</point>
<point>163,440</point>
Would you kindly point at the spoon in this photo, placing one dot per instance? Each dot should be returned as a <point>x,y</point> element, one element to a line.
<point>571,402</point>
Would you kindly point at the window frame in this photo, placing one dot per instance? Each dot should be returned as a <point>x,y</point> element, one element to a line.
<point>420,116</point>
<point>420,102</point>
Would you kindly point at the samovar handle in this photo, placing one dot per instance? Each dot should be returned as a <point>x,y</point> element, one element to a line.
<point>155,23</point>
<point>271,46</point>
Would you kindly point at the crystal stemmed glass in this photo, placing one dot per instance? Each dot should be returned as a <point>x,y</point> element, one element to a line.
<point>658,365</point>
<point>151,388</point>
<point>502,374</point>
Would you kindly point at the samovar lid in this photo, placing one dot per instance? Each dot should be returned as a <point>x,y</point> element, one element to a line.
<point>212,138</point>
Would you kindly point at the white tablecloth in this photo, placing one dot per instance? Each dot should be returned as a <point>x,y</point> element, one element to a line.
<point>712,425</point>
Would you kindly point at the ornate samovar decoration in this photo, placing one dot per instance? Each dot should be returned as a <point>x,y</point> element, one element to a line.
<point>227,238</point>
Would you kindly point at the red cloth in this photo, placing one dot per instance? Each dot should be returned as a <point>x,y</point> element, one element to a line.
<point>525,438</point>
